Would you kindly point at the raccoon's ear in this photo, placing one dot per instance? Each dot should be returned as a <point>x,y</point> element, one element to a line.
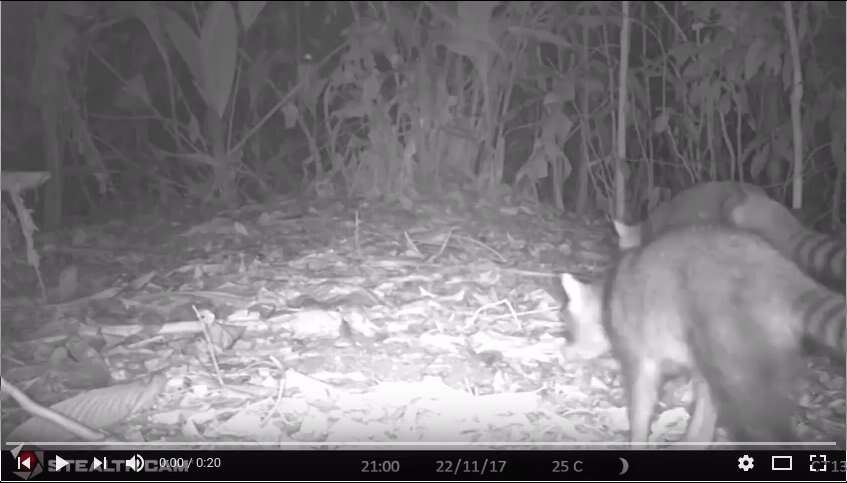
<point>629,236</point>
<point>574,289</point>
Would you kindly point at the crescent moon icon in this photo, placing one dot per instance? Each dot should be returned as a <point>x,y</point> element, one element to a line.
<point>624,466</point>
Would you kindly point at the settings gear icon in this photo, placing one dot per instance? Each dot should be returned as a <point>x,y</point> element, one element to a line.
<point>745,463</point>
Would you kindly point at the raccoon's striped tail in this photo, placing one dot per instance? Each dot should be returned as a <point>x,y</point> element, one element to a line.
<point>821,256</point>
<point>824,320</point>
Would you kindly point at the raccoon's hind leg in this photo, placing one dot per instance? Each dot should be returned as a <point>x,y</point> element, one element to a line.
<point>645,378</point>
<point>701,426</point>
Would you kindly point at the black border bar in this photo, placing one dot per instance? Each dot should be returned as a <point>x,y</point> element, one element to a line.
<point>438,465</point>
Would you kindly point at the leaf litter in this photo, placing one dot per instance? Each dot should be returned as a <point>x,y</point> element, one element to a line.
<point>373,324</point>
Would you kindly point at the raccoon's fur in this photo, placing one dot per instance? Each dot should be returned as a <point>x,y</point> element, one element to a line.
<point>819,255</point>
<point>699,204</point>
<point>725,307</point>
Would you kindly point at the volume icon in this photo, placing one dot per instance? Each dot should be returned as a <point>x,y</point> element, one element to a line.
<point>135,463</point>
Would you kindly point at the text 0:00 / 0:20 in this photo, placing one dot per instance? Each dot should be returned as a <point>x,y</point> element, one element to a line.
<point>188,463</point>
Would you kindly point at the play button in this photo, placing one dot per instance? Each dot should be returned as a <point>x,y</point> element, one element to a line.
<point>60,463</point>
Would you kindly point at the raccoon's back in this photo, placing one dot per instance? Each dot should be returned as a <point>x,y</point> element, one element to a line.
<point>703,271</point>
<point>704,203</point>
<point>729,277</point>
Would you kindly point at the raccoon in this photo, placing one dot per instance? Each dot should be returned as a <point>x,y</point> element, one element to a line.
<point>702,203</point>
<point>819,255</point>
<point>721,305</point>
<point>748,207</point>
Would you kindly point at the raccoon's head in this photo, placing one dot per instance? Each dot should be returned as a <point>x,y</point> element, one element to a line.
<point>584,317</point>
<point>629,236</point>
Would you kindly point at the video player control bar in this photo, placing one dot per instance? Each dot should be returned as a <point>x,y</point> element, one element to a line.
<point>536,465</point>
